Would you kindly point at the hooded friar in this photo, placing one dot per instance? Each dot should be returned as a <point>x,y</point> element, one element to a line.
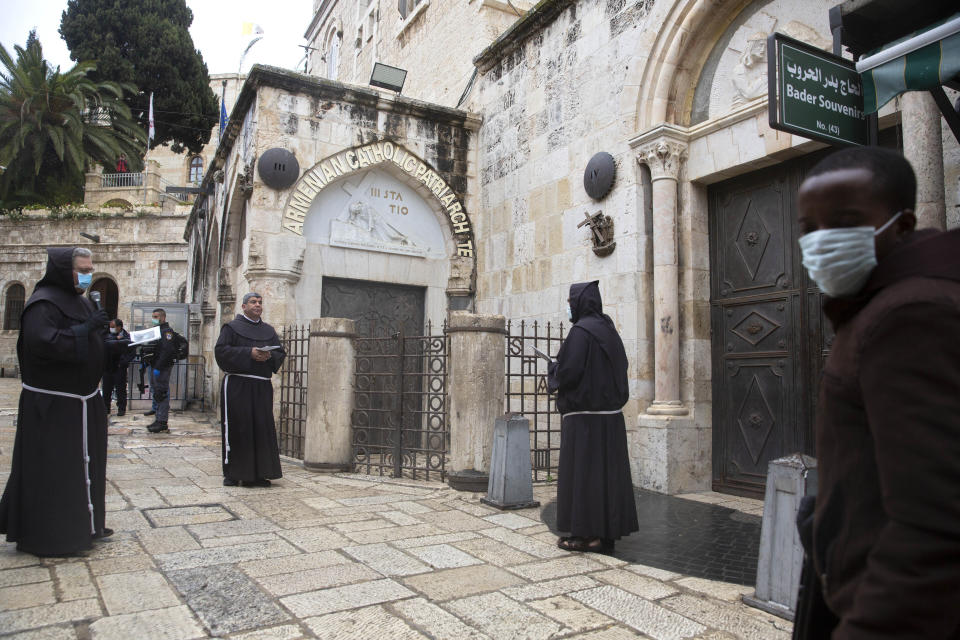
<point>595,501</point>
<point>54,500</point>
<point>250,451</point>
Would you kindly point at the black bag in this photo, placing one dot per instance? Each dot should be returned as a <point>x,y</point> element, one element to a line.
<point>181,347</point>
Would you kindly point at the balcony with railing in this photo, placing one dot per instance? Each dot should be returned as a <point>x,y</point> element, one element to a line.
<point>110,180</point>
<point>142,188</point>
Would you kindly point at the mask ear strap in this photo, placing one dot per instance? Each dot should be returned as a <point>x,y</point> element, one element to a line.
<point>889,222</point>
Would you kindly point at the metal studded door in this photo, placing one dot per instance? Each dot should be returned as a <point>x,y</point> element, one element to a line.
<point>762,373</point>
<point>399,421</point>
<point>378,309</point>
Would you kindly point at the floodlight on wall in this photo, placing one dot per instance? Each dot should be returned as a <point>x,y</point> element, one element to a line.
<point>94,238</point>
<point>388,77</point>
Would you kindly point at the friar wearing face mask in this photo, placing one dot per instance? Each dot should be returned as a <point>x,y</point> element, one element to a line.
<point>883,543</point>
<point>53,503</point>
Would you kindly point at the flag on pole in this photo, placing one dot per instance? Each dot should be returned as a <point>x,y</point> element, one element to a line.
<point>223,110</point>
<point>251,28</point>
<point>150,131</point>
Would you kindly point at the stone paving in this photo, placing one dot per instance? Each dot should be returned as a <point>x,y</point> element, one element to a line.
<point>335,556</point>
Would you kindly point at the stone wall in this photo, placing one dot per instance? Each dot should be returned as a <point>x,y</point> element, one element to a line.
<point>435,44</point>
<point>143,253</point>
<point>550,102</point>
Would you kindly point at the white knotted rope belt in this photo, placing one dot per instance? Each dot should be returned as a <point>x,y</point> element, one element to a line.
<point>86,454</point>
<point>591,413</point>
<point>226,412</point>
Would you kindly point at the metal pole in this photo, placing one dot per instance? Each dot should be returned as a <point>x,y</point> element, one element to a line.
<point>398,432</point>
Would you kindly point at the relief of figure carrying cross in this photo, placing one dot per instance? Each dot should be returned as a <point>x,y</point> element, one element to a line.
<point>361,226</point>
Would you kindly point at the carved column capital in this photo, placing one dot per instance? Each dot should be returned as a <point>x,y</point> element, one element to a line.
<point>664,157</point>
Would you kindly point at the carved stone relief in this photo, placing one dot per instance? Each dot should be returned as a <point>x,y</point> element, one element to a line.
<point>736,70</point>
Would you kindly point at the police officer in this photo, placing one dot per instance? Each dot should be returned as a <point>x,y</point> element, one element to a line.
<point>118,358</point>
<point>160,370</point>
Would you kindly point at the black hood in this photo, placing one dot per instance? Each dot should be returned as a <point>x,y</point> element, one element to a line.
<point>57,286</point>
<point>585,300</point>
<point>59,270</point>
<point>260,331</point>
<point>927,253</point>
<point>587,308</point>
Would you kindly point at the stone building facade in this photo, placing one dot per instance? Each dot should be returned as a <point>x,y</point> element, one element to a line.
<point>141,257</point>
<point>722,326</point>
<point>162,167</point>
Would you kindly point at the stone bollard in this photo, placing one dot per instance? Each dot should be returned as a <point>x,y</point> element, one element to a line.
<point>326,445</point>
<point>476,393</point>
<point>511,479</point>
<point>781,556</point>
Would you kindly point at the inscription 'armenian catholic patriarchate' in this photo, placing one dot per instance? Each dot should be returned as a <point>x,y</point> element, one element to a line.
<point>356,158</point>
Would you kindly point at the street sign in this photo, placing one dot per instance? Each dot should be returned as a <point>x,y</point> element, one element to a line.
<point>815,94</point>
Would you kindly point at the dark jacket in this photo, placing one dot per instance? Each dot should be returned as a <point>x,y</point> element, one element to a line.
<point>165,349</point>
<point>119,354</point>
<point>56,350</point>
<point>887,520</point>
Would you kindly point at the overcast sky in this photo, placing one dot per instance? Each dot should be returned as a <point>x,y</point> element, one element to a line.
<point>216,30</point>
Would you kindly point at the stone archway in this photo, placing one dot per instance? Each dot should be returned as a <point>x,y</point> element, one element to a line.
<point>109,294</point>
<point>690,30</point>
<point>420,176</point>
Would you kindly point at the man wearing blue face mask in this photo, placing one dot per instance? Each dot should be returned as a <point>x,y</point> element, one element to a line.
<point>54,500</point>
<point>886,525</point>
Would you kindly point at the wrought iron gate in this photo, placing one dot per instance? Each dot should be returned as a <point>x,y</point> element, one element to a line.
<point>400,417</point>
<point>293,390</point>
<point>526,391</point>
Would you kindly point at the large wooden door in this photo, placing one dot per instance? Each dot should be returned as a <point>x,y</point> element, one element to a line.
<point>765,317</point>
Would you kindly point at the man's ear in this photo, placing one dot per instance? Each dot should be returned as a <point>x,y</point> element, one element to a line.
<point>907,222</point>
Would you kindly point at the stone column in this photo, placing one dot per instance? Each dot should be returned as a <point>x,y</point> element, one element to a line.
<point>923,147</point>
<point>663,157</point>
<point>475,388</point>
<point>326,443</point>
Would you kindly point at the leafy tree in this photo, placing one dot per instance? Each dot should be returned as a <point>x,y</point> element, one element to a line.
<point>147,42</point>
<point>54,125</point>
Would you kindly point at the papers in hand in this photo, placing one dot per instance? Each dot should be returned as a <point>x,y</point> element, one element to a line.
<point>541,354</point>
<point>270,348</point>
<point>144,335</point>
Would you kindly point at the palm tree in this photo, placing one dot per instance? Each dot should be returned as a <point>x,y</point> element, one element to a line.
<point>54,125</point>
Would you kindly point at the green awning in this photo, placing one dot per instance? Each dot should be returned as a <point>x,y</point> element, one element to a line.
<point>919,62</point>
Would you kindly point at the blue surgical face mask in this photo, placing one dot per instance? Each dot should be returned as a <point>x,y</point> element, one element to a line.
<point>569,313</point>
<point>155,321</point>
<point>841,260</point>
<point>84,280</point>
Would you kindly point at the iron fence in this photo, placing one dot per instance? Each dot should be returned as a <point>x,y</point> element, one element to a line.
<point>400,419</point>
<point>186,384</point>
<point>526,391</point>
<point>293,390</point>
<point>121,180</point>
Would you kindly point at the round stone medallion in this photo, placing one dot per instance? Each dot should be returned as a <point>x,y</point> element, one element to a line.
<point>278,168</point>
<point>599,175</point>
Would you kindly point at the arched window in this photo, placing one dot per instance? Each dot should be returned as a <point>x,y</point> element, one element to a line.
<point>13,307</point>
<point>333,54</point>
<point>109,295</point>
<point>196,170</point>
